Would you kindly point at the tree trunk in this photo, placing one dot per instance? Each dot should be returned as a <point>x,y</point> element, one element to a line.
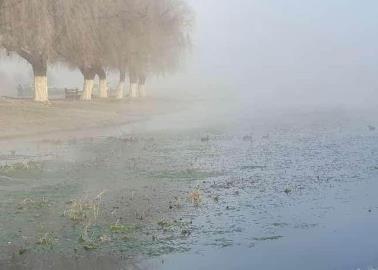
<point>89,76</point>
<point>142,86</point>
<point>39,66</point>
<point>40,88</point>
<point>133,92</point>
<point>121,85</point>
<point>103,85</point>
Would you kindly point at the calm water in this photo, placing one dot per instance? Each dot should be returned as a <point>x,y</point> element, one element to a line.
<point>286,190</point>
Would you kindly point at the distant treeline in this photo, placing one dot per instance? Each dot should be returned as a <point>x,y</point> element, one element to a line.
<point>132,37</point>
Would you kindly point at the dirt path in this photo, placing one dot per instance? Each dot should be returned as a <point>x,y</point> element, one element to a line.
<point>26,119</point>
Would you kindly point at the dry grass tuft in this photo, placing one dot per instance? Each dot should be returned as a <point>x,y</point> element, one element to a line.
<point>46,239</point>
<point>195,197</point>
<point>85,210</point>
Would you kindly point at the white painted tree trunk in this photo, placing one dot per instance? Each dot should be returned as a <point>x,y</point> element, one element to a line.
<point>133,93</point>
<point>40,89</point>
<point>87,90</point>
<point>142,90</point>
<point>120,90</point>
<point>103,88</point>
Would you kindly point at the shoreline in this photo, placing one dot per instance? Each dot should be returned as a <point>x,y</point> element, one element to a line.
<point>60,119</point>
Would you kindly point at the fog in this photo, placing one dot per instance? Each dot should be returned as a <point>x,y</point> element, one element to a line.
<point>259,152</point>
<point>265,52</point>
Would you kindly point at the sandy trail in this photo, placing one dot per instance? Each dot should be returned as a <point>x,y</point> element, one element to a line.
<point>62,119</point>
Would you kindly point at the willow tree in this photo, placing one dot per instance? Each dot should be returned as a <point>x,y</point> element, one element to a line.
<point>122,21</point>
<point>126,25</point>
<point>74,45</point>
<point>171,29</point>
<point>160,35</point>
<point>87,39</point>
<point>106,19</point>
<point>27,29</point>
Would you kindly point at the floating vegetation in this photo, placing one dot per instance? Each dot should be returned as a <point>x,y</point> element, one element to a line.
<point>253,167</point>
<point>287,190</point>
<point>20,169</point>
<point>120,228</point>
<point>371,128</point>
<point>223,242</point>
<point>205,139</point>
<point>164,224</point>
<point>22,251</point>
<point>267,238</point>
<point>278,224</point>
<point>187,174</point>
<point>179,226</point>
<point>216,198</point>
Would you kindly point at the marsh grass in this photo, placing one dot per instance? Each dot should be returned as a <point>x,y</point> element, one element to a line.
<point>28,204</point>
<point>120,228</point>
<point>21,169</point>
<point>46,239</point>
<point>195,197</point>
<point>88,239</point>
<point>84,210</point>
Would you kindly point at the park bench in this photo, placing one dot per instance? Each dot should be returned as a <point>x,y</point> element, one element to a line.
<point>72,94</point>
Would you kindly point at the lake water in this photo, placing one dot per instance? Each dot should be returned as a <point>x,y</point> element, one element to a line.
<point>209,187</point>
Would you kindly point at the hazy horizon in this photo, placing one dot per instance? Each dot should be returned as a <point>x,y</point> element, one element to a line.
<point>268,52</point>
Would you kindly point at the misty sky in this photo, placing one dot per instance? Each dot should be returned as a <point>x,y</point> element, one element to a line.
<point>297,51</point>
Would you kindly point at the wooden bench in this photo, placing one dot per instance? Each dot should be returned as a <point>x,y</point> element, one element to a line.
<point>72,94</point>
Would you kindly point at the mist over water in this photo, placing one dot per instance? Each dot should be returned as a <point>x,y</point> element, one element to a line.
<point>260,152</point>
